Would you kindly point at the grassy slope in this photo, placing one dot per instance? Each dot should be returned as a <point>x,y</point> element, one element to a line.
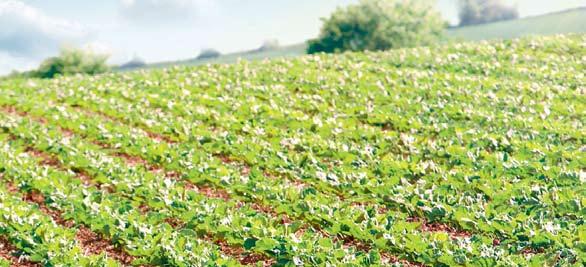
<point>285,51</point>
<point>570,21</point>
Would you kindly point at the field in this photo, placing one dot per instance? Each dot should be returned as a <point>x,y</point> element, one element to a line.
<point>570,21</point>
<point>281,52</point>
<point>564,22</point>
<point>465,154</point>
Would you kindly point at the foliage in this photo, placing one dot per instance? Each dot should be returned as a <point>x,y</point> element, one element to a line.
<point>468,154</point>
<point>209,53</point>
<point>72,61</point>
<point>485,11</point>
<point>135,63</point>
<point>268,45</point>
<point>379,25</point>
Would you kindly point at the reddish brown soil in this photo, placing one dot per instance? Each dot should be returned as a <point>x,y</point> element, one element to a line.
<point>350,241</point>
<point>159,138</point>
<point>225,158</point>
<point>100,144</point>
<point>51,161</point>
<point>139,161</point>
<point>387,258</point>
<point>212,192</point>
<point>440,227</point>
<point>9,252</point>
<point>12,110</point>
<point>245,170</point>
<point>243,256</point>
<point>84,177</point>
<point>131,160</point>
<point>155,136</point>
<point>532,251</point>
<point>9,185</point>
<point>173,175</point>
<point>38,198</point>
<point>90,242</point>
<point>66,132</point>
<point>94,244</point>
<point>45,158</point>
<point>174,222</point>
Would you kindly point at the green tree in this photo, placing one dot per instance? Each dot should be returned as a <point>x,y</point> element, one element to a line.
<point>379,25</point>
<point>72,61</point>
<point>268,45</point>
<point>209,53</point>
<point>484,11</point>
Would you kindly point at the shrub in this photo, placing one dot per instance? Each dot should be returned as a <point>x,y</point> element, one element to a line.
<point>379,25</point>
<point>72,61</point>
<point>484,11</point>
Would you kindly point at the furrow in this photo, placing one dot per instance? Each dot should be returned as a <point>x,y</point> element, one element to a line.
<point>10,253</point>
<point>336,234</point>
<point>220,194</point>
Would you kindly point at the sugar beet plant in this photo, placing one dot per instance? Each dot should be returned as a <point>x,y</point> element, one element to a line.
<point>468,154</point>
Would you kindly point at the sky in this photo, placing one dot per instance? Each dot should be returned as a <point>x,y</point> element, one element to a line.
<point>162,30</point>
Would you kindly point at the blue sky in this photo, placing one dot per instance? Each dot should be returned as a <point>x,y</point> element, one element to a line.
<point>157,30</point>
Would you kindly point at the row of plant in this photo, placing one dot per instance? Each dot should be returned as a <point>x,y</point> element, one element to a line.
<point>239,150</point>
<point>238,223</point>
<point>38,237</point>
<point>85,126</point>
<point>484,138</point>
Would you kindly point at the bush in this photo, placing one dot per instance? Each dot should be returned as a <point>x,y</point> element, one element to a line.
<point>474,12</point>
<point>209,53</point>
<point>379,25</point>
<point>72,61</point>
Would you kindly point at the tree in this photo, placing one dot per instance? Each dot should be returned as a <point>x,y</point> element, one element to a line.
<point>135,63</point>
<point>270,44</point>
<point>209,53</point>
<point>484,11</point>
<point>72,61</point>
<point>379,25</point>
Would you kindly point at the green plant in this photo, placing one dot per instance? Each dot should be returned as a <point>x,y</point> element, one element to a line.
<point>209,53</point>
<point>484,11</point>
<point>72,61</point>
<point>379,25</point>
<point>467,154</point>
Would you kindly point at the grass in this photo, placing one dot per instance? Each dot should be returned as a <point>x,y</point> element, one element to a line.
<point>570,21</point>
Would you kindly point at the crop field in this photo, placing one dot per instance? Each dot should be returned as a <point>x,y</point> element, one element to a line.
<point>469,154</point>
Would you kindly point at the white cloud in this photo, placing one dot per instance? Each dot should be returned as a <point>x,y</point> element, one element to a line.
<point>9,63</point>
<point>27,32</point>
<point>157,11</point>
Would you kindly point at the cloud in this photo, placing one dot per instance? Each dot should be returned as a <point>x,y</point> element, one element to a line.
<point>157,11</point>
<point>9,63</point>
<point>28,33</point>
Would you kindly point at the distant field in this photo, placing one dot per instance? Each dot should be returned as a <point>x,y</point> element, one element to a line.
<point>283,52</point>
<point>570,21</point>
<point>469,154</point>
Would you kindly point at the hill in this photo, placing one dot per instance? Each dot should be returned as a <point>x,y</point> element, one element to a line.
<point>282,52</point>
<point>569,21</point>
<point>470,154</point>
